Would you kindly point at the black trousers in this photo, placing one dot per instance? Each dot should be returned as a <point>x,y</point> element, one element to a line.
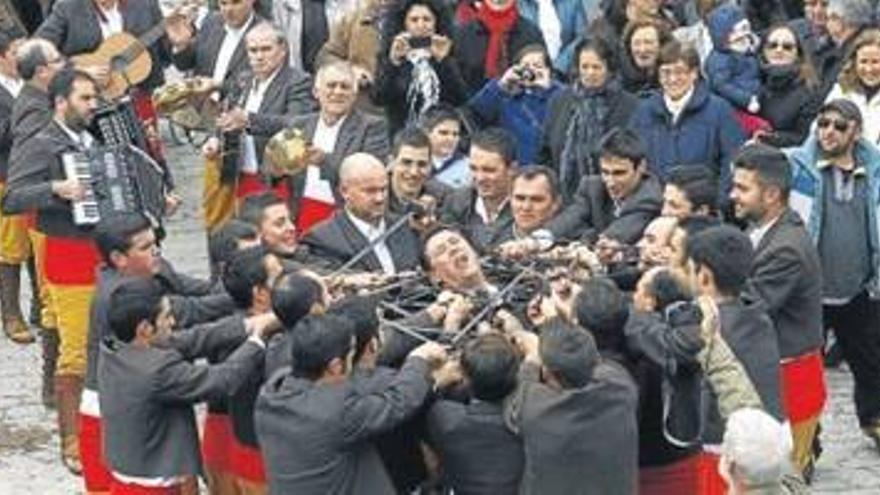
<point>857,327</point>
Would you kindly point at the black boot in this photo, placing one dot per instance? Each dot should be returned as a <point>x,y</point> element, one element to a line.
<point>34,317</point>
<point>49,339</point>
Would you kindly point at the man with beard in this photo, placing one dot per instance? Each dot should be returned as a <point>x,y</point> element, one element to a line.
<point>38,183</point>
<point>786,274</point>
<point>835,190</point>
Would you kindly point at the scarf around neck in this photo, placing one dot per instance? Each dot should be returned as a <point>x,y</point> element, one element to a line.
<point>499,24</point>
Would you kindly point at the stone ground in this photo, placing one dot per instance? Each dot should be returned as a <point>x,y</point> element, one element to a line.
<point>28,434</point>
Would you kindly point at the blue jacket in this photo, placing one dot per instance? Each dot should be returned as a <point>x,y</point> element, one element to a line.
<point>736,77</point>
<point>706,134</point>
<point>806,195</point>
<point>522,114</point>
<point>573,19</point>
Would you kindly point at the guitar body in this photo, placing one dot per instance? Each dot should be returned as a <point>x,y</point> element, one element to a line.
<point>129,61</point>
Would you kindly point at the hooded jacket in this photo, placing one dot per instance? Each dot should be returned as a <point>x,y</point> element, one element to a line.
<point>733,76</point>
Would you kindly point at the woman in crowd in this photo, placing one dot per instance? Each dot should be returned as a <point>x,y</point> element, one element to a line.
<point>518,100</point>
<point>582,113</point>
<point>859,82</point>
<point>640,51</point>
<point>562,26</point>
<point>789,96</point>
<point>618,14</point>
<point>486,44</point>
<point>416,66</point>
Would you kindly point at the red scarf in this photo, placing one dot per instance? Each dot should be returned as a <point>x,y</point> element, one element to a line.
<point>498,24</point>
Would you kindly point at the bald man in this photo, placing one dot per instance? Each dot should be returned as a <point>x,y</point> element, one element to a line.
<point>363,218</point>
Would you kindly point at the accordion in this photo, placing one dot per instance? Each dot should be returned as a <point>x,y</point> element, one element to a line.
<point>117,124</point>
<point>116,179</point>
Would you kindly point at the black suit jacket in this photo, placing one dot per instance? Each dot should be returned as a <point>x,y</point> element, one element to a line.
<point>288,95</point>
<point>478,454</point>
<point>580,441</point>
<point>74,27</point>
<point>360,132</point>
<point>35,166</point>
<point>6,102</point>
<point>459,209</point>
<point>336,240</point>
<point>316,437</point>
<point>146,396</point>
<point>30,114</point>
<point>591,214</point>
<point>202,54</point>
<point>787,276</point>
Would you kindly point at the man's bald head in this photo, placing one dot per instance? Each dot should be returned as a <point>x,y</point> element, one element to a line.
<point>363,184</point>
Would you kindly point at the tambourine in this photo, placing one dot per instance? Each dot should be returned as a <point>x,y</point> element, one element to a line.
<point>188,103</point>
<point>286,153</point>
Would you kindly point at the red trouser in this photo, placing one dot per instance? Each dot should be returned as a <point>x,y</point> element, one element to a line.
<point>96,476</point>
<point>710,480</point>
<point>119,488</point>
<point>804,395</point>
<point>678,478</point>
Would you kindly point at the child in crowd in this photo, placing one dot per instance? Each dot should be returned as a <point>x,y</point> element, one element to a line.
<point>443,126</point>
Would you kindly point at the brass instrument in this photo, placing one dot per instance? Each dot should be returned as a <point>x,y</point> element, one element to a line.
<point>286,153</point>
<point>189,103</point>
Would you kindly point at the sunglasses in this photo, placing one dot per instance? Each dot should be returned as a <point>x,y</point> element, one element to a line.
<point>781,45</point>
<point>839,125</point>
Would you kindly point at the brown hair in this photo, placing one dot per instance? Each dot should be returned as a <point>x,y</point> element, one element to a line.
<point>807,73</point>
<point>663,35</point>
<point>848,79</point>
<point>675,51</point>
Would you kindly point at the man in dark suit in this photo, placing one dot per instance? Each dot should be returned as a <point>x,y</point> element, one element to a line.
<point>787,275</point>
<point>14,246</point>
<point>363,184</point>
<point>218,49</point>
<point>478,454</point>
<point>616,206</point>
<point>314,423</point>
<point>334,132</point>
<point>576,415</point>
<point>79,27</point>
<point>129,249</point>
<point>148,383</point>
<point>271,94</point>
<point>483,210</point>
<point>534,200</point>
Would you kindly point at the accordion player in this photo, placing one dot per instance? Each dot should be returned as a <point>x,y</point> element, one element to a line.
<point>116,179</point>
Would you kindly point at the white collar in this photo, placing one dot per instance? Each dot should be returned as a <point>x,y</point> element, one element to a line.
<point>756,234</point>
<point>12,85</point>
<point>480,209</point>
<point>336,125</point>
<point>369,230</point>
<point>239,30</point>
<point>262,86</point>
<point>79,138</point>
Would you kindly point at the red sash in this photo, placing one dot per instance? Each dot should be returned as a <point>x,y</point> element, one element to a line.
<point>680,477</point>
<point>70,261</point>
<point>217,442</point>
<point>803,386</point>
<point>96,476</point>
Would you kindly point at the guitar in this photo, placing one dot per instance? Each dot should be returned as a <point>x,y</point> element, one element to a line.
<point>127,56</point>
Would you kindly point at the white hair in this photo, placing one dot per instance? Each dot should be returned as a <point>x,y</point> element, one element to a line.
<point>756,451</point>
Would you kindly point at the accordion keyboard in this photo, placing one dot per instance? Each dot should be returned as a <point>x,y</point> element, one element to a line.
<point>85,211</point>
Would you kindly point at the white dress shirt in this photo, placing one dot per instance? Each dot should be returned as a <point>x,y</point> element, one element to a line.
<point>11,85</point>
<point>480,209</point>
<point>251,162</point>
<point>758,233</point>
<point>326,135</point>
<point>110,21</point>
<point>372,232</point>
<point>227,49</point>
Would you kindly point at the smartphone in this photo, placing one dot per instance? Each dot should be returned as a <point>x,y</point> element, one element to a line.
<point>419,42</point>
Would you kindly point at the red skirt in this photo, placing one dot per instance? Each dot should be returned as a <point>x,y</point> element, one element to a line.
<point>710,481</point>
<point>247,462</point>
<point>678,478</point>
<point>803,386</point>
<point>253,184</point>
<point>70,261</point>
<point>96,476</point>
<point>217,441</point>
<point>119,488</point>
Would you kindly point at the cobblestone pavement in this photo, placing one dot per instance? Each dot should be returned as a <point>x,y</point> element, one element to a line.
<point>28,435</point>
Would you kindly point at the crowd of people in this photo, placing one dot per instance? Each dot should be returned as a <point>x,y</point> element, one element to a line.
<point>526,246</point>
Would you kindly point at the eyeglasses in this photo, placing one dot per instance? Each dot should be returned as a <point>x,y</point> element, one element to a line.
<point>783,45</point>
<point>669,72</point>
<point>839,125</point>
